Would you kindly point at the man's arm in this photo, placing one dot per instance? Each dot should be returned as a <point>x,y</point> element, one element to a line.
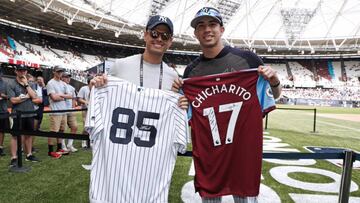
<point>83,101</point>
<point>270,75</point>
<point>4,96</point>
<point>183,102</point>
<point>38,100</point>
<point>52,93</point>
<point>81,96</point>
<point>13,98</point>
<point>56,97</point>
<point>24,82</point>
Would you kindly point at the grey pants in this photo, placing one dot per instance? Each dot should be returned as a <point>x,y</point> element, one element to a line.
<point>237,199</point>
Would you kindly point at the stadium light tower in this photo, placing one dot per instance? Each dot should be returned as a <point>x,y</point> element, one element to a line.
<point>157,6</point>
<point>228,8</point>
<point>295,20</point>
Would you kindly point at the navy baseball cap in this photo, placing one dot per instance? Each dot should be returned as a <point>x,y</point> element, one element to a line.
<point>21,67</point>
<point>209,12</point>
<point>157,20</point>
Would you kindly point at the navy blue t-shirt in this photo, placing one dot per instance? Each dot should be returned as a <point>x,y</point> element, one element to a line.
<point>228,60</point>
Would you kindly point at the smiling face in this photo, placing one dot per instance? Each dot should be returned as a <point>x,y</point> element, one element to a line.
<point>208,31</point>
<point>155,39</point>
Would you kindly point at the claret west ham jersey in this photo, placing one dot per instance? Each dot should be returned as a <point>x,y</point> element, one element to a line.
<point>136,133</point>
<point>226,126</point>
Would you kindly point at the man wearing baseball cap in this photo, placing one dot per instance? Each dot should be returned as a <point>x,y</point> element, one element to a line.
<point>147,69</point>
<point>58,93</point>
<point>215,59</point>
<point>71,116</point>
<point>22,97</point>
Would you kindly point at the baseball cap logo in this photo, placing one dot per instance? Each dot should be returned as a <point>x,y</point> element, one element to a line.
<point>157,20</point>
<point>163,19</point>
<point>205,10</point>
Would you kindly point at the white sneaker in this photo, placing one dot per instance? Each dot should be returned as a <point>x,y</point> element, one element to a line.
<point>83,144</point>
<point>72,149</point>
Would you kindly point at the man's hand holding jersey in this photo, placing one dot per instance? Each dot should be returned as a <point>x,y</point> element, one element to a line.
<point>183,101</point>
<point>99,81</point>
<point>270,75</point>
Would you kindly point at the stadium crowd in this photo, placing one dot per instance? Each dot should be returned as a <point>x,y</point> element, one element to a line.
<point>299,78</point>
<point>342,93</point>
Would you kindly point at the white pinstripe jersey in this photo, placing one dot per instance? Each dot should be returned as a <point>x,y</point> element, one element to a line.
<point>137,133</point>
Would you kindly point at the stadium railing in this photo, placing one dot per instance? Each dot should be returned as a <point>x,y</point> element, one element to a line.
<point>348,156</point>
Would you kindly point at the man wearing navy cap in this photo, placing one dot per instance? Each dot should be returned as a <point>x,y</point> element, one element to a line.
<point>147,69</point>
<point>215,59</point>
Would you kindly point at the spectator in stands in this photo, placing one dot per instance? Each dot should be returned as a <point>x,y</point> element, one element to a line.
<point>57,92</point>
<point>4,114</point>
<point>217,58</point>
<point>158,38</point>
<point>71,116</point>
<point>23,97</point>
<point>83,99</point>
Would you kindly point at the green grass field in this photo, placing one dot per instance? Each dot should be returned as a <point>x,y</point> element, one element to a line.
<point>64,180</point>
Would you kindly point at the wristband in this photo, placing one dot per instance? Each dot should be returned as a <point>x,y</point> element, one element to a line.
<point>276,85</point>
<point>26,86</point>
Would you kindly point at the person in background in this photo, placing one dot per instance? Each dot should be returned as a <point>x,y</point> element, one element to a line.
<point>45,101</point>
<point>4,114</point>
<point>39,94</point>
<point>57,91</point>
<point>83,99</point>
<point>71,116</point>
<point>23,97</point>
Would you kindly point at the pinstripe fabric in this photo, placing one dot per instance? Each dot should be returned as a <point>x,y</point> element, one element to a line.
<point>135,168</point>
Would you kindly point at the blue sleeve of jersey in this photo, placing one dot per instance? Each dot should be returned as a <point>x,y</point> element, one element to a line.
<point>189,112</point>
<point>265,96</point>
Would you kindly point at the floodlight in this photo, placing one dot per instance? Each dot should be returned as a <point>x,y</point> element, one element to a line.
<point>69,21</point>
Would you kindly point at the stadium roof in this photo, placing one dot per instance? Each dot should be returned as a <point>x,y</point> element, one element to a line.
<point>298,26</point>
